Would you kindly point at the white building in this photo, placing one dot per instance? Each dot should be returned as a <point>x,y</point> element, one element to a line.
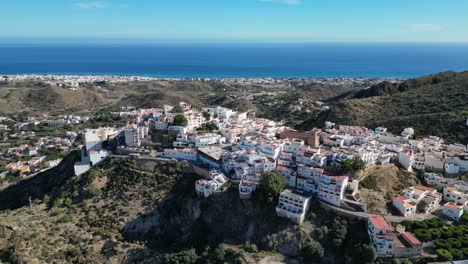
<point>453,211</point>
<point>58,122</point>
<point>183,154</point>
<point>92,152</point>
<point>271,150</point>
<point>93,138</point>
<point>289,175</point>
<point>407,133</point>
<point>453,195</point>
<point>332,189</point>
<point>406,159</point>
<point>293,205</point>
<point>382,235</point>
<point>390,243</point>
<point>205,140</point>
<point>411,196</point>
<point>207,187</point>
<point>460,160</point>
<point>246,188</point>
<point>311,158</point>
<point>404,205</point>
<point>439,181</point>
<point>132,137</point>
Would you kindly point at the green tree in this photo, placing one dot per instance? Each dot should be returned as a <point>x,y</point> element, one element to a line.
<point>186,257</point>
<point>57,202</point>
<point>421,207</point>
<point>444,254</point>
<point>220,253</point>
<point>340,230</point>
<point>368,253</point>
<point>68,202</point>
<point>354,165</point>
<point>271,185</point>
<point>65,219</point>
<point>206,115</point>
<point>92,192</point>
<point>177,109</point>
<point>180,120</point>
<point>423,234</point>
<point>313,251</point>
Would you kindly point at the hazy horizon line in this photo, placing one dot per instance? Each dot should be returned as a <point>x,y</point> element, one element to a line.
<point>107,40</point>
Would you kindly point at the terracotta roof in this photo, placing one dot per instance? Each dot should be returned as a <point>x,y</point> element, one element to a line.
<point>282,168</point>
<point>453,206</point>
<point>411,238</point>
<point>401,198</point>
<point>380,222</point>
<point>422,187</point>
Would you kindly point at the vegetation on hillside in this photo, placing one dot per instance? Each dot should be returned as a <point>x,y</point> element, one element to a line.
<point>432,105</point>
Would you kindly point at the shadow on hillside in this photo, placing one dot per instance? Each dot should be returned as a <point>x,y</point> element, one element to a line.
<point>36,187</point>
<point>185,220</point>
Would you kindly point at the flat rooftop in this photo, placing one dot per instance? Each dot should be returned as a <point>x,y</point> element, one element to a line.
<point>213,152</point>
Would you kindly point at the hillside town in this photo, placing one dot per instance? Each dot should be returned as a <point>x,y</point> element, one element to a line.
<point>323,164</point>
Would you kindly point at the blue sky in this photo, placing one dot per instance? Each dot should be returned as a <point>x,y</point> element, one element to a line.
<point>239,20</point>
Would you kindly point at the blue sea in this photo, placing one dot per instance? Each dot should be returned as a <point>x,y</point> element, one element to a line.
<point>222,60</point>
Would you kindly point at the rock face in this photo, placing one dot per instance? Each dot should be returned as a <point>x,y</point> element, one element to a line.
<point>184,218</point>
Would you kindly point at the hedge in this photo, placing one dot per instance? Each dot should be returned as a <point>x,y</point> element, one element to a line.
<point>464,228</point>
<point>419,225</point>
<point>465,217</point>
<point>439,221</point>
<point>444,254</point>
<point>446,233</point>
<point>423,234</point>
<point>442,243</point>
<point>456,253</point>
<point>465,251</point>
<point>454,242</point>
<point>431,223</point>
<point>456,231</point>
<point>435,233</point>
<point>464,240</point>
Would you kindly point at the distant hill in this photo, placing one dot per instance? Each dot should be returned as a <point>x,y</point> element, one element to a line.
<point>48,99</point>
<point>433,105</point>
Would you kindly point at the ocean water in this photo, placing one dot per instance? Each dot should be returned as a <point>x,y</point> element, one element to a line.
<point>234,60</point>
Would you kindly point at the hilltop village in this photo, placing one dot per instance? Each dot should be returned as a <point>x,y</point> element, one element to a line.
<point>326,164</point>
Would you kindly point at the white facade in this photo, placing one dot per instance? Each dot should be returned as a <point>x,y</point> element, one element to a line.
<point>453,211</point>
<point>289,175</point>
<point>293,205</point>
<point>205,140</point>
<point>382,235</point>
<point>332,189</point>
<point>453,195</point>
<point>407,132</point>
<point>404,205</point>
<point>96,157</point>
<point>460,160</point>
<point>207,187</point>
<point>405,158</point>
<point>390,243</point>
<point>183,154</point>
<point>246,188</point>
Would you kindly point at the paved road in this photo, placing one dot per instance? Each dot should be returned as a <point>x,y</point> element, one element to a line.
<point>365,216</point>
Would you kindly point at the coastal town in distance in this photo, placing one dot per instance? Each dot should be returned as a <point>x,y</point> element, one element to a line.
<point>335,167</point>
